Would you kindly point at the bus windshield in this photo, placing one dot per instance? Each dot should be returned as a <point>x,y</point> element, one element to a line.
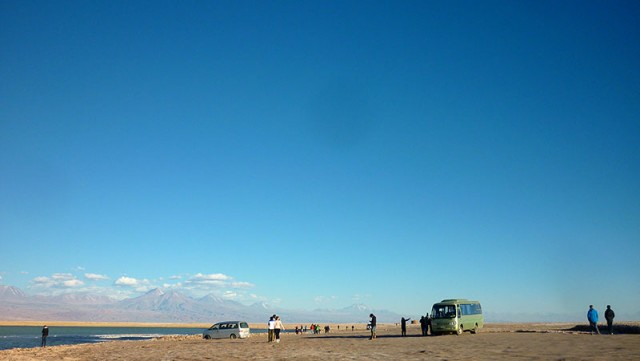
<point>443,311</point>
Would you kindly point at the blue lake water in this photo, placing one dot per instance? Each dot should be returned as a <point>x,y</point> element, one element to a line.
<point>30,336</point>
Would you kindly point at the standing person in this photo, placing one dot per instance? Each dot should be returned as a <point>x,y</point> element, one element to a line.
<point>373,326</point>
<point>423,325</point>
<point>592,316</point>
<point>278,327</point>
<point>45,333</point>
<point>609,315</point>
<point>403,325</point>
<point>271,325</point>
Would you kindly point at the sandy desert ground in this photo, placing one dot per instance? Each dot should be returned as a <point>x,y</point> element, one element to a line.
<point>494,342</point>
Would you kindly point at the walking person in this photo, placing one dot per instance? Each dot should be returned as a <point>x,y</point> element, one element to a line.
<point>278,327</point>
<point>609,315</point>
<point>592,316</point>
<point>271,325</point>
<point>45,333</point>
<point>373,326</point>
<point>403,325</point>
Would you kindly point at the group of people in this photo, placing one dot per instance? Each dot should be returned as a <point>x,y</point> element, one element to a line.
<point>592,316</point>
<point>274,326</point>
<point>425,322</point>
<point>316,329</point>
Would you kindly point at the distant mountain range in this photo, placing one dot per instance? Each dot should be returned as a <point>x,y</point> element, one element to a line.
<point>159,306</point>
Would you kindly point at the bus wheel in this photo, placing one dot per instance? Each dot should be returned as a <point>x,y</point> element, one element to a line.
<point>475,329</point>
<point>460,330</point>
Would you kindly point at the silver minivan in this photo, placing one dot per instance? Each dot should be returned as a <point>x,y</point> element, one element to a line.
<point>228,329</point>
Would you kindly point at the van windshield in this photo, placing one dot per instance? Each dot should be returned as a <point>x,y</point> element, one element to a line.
<point>443,311</point>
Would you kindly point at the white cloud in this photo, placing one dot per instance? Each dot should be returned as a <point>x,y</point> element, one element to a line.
<point>72,283</point>
<point>211,277</point>
<point>195,285</point>
<point>95,277</point>
<point>215,280</point>
<point>138,285</point>
<point>57,280</point>
<point>216,283</point>
<point>324,299</point>
<point>62,276</point>
<point>229,294</point>
<point>241,285</point>
<point>127,281</point>
<point>203,281</point>
<point>41,280</point>
<point>360,298</point>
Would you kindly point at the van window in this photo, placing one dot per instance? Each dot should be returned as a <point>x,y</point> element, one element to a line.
<point>470,309</point>
<point>244,325</point>
<point>443,311</point>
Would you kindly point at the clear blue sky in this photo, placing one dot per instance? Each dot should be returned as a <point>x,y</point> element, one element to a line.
<point>319,154</point>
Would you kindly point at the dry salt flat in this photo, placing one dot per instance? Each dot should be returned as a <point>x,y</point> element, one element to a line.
<point>494,342</point>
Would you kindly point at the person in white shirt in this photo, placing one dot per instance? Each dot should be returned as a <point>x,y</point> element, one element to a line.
<point>271,325</point>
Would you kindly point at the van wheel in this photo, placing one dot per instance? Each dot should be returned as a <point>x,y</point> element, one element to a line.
<point>460,330</point>
<point>207,337</point>
<point>475,329</point>
<point>233,336</point>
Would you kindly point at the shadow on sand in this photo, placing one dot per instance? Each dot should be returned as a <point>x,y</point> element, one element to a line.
<point>336,336</point>
<point>617,329</point>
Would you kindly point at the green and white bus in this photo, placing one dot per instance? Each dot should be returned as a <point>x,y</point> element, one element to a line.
<point>457,316</point>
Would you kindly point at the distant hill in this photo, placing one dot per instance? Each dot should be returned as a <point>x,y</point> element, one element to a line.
<point>159,306</point>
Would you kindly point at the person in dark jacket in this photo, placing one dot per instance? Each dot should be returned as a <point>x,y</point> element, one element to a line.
<point>373,326</point>
<point>609,315</point>
<point>403,325</point>
<point>423,324</point>
<point>45,333</point>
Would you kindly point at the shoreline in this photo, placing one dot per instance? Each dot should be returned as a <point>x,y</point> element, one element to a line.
<point>488,327</point>
<point>102,324</point>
